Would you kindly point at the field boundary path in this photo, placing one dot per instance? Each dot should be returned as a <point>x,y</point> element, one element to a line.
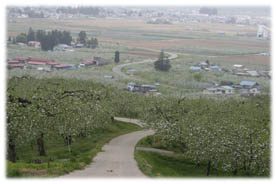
<point>117,158</point>
<point>118,68</point>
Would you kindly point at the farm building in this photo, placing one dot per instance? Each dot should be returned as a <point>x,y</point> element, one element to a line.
<point>219,90</point>
<point>203,64</point>
<point>62,47</point>
<point>249,84</point>
<point>142,88</point>
<point>88,62</point>
<point>242,74</point>
<point>64,67</point>
<point>215,68</point>
<point>250,92</point>
<point>21,59</point>
<point>79,45</point>
<point>15,65</point>
<point>40,60</point>
<point>195,68</point>
<point>35,44</point>
<point>253,73</point>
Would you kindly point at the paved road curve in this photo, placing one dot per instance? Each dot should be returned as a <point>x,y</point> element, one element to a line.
<point>117,158</point>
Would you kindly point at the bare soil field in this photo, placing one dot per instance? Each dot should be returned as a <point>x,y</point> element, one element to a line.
<point>253,59</point>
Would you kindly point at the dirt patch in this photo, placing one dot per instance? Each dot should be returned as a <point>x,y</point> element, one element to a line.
<point>34,172</point>
<point>253,59</point>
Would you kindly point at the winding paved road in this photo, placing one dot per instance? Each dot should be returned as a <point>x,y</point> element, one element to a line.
<point>117,158</point>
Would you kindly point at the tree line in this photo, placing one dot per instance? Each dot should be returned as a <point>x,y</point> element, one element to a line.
<point>49,39</point>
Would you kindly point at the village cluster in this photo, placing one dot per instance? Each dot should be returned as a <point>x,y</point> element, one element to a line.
<point>59,47</point>
<point>48,65</point>
<point>244,88</point>
<point>237,69</point>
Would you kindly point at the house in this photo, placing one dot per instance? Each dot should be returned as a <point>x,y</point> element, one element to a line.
<point>79,45</point>
<point>195,68</point>
<point>242,74</point>
<point>35,44</point>
<point>215,68</point>
<point>144,88</point>
<point>219,90</point>
<point>203,64</point>
<point>227,90</point>
<point>250,92</point>
<point>253,73</point>
<point>211,91</point>
<point>62,47</point>
<point>99,61</point>
<point>238,67</point>
<point>249,84</point>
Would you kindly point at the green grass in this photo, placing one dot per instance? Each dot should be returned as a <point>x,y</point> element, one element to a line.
<point>158,165</point>
<point>61,161</point>
<point>177,165</point>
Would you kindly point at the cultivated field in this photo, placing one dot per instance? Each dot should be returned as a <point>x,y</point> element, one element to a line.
<point>136,40</point>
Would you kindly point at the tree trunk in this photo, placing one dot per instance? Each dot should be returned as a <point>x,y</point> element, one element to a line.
<point>68,140</point>
<point>208,168</point>
<point>11,151</point>
<point>40,145</point>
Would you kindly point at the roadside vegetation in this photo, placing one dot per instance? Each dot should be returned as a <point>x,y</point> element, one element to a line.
<point>58,125</point>
<point>229,135</point>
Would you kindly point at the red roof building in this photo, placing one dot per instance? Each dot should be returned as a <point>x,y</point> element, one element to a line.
<point>21,59</point>
<point>19,65</point>
<point>40,60</point>
<point>89,62</point>
<point>13,62</point>
<point>36,63</point>
<point>52,63</point>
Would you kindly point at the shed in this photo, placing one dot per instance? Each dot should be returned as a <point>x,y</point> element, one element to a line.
<point>248,84</point>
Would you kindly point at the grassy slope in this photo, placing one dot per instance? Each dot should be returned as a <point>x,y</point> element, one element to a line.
<point>160,165</point>
<point>83,151</point>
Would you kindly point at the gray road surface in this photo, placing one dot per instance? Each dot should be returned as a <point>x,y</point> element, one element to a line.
<point>117,158</point>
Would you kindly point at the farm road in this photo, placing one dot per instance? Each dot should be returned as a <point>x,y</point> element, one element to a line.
<point>117,69</point>
<point>117,158</point>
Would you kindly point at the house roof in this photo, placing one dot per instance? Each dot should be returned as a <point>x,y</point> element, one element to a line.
<point>13,62</point>
<point>227,87</point>
<point>214,67</point>
<point>21,58</point>
<point>247,83</point>
<point>33,42</point>
<point>89,61</point>
<point>16,65</point>
<point>238,66</point>
<point>40,60</point>
<point>36,63</point>
<point>195,68</point>
<point>52,63</point>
